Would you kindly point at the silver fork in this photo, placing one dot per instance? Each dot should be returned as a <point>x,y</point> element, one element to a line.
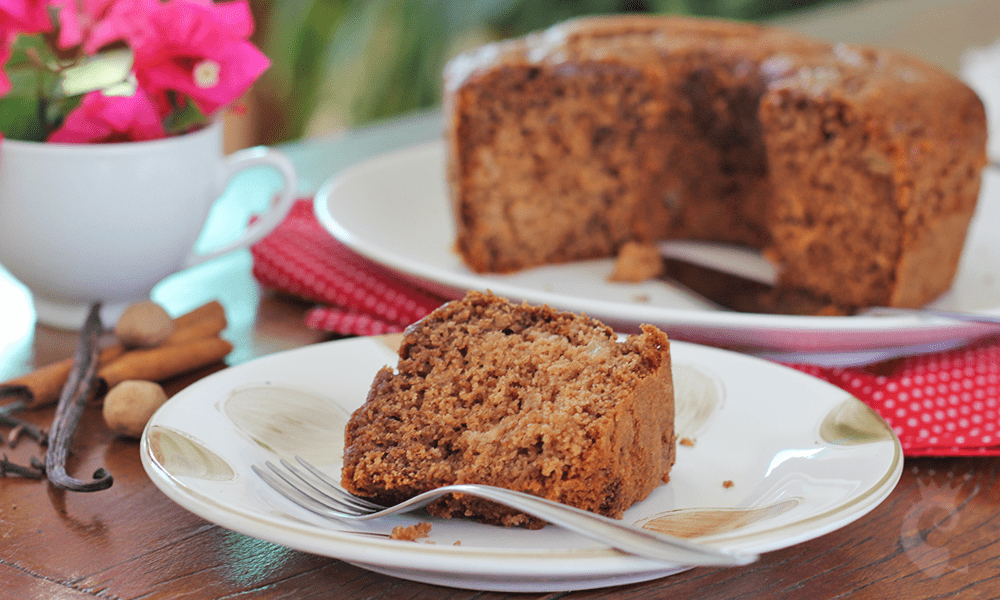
<point>314,490</point>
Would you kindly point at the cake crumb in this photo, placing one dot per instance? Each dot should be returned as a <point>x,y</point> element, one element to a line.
<point>728,483</point>
<point>686,442</point>
<point>411,533</point>
<point>637,262</point>
<point>457,543</point>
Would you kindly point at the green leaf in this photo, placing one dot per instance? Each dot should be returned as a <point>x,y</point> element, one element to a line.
<point>184,117</point>
<point>19,119</point>
<point>29,44</point>
<point>26,83</point>
<point>98,72</point>
<point>28,79</point>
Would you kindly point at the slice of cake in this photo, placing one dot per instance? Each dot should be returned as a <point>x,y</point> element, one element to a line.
<point>522,397</point>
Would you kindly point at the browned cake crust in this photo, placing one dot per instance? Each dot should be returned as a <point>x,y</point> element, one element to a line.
<point>522,397</point>
<point>856,169</point>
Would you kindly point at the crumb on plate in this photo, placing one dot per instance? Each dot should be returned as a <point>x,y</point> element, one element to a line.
<point>637,262</point>
<point>411,533</point>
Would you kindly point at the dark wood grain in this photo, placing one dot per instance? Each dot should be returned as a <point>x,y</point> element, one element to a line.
<point>937,534</point>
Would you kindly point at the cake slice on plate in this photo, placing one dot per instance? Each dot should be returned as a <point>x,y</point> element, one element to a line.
<point>522,397</point>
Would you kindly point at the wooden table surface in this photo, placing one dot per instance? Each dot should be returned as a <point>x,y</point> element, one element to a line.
<point>938,533</point>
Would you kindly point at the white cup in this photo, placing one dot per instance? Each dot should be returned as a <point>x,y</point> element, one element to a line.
<point>81,223</point>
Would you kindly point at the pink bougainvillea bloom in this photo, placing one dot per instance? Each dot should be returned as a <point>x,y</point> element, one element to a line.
<point>78,18</point>
<point>108,119</point>
<point>116,20</point>
<point>24,16</point>
<point>18,16</point>
<point>199,50</point>
<point>5,84</point>
<point>235,17</point>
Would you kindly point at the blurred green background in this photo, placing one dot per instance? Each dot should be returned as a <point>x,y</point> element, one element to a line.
<point>346,63</point>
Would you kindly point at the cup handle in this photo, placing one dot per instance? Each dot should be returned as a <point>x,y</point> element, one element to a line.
<point>265,222</point>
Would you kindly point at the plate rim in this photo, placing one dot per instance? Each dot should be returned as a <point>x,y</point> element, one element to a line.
<point>536,565</point>
<point>455,284</point>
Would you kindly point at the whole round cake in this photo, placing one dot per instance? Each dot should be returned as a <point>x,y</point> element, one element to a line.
<point>856,170</point>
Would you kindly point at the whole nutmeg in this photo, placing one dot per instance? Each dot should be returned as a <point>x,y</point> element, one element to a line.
<point>129,405</point>
<point>143,325</point>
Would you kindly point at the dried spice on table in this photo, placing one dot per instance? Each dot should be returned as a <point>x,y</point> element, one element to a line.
<point>75,394</point>
<point>19,426</point>
<point>9,468</point>
<point>42,386</point>
<point>129,405</point>
<point>143,325</point>
<point>193,342</point>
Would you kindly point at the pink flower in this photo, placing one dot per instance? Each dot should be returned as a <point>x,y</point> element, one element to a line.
<point>183,51</point>
<point>5,84</point>
<point>24,16</point>
<point>99,23</point>
<point>107,119</point>
<point>78,19</point>
<point>18,16</point>
<point>200,51</point>
<point>196,48</point>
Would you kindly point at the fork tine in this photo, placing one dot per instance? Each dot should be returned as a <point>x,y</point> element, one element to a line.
<point>337,500</point>
<point>297,486</point>
<point>281,485</point>
<point>332,488</point>
<point>313,488</point>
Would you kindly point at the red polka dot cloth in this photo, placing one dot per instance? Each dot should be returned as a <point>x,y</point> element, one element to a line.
<point>942,404</point>
<point>357,296</point>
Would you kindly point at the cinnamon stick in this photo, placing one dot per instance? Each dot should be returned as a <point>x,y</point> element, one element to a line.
<point>42,386</point>
<point>163,362</point>
<point>205,321</point>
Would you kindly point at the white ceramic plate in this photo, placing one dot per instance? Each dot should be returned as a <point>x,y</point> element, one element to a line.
<point>394,210</point>
<point>803,456</point>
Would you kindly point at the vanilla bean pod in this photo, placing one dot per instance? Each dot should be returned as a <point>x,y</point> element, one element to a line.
<point>72,401</point>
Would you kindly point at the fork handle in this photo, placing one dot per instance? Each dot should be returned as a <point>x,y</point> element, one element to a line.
<point>616,534</point>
